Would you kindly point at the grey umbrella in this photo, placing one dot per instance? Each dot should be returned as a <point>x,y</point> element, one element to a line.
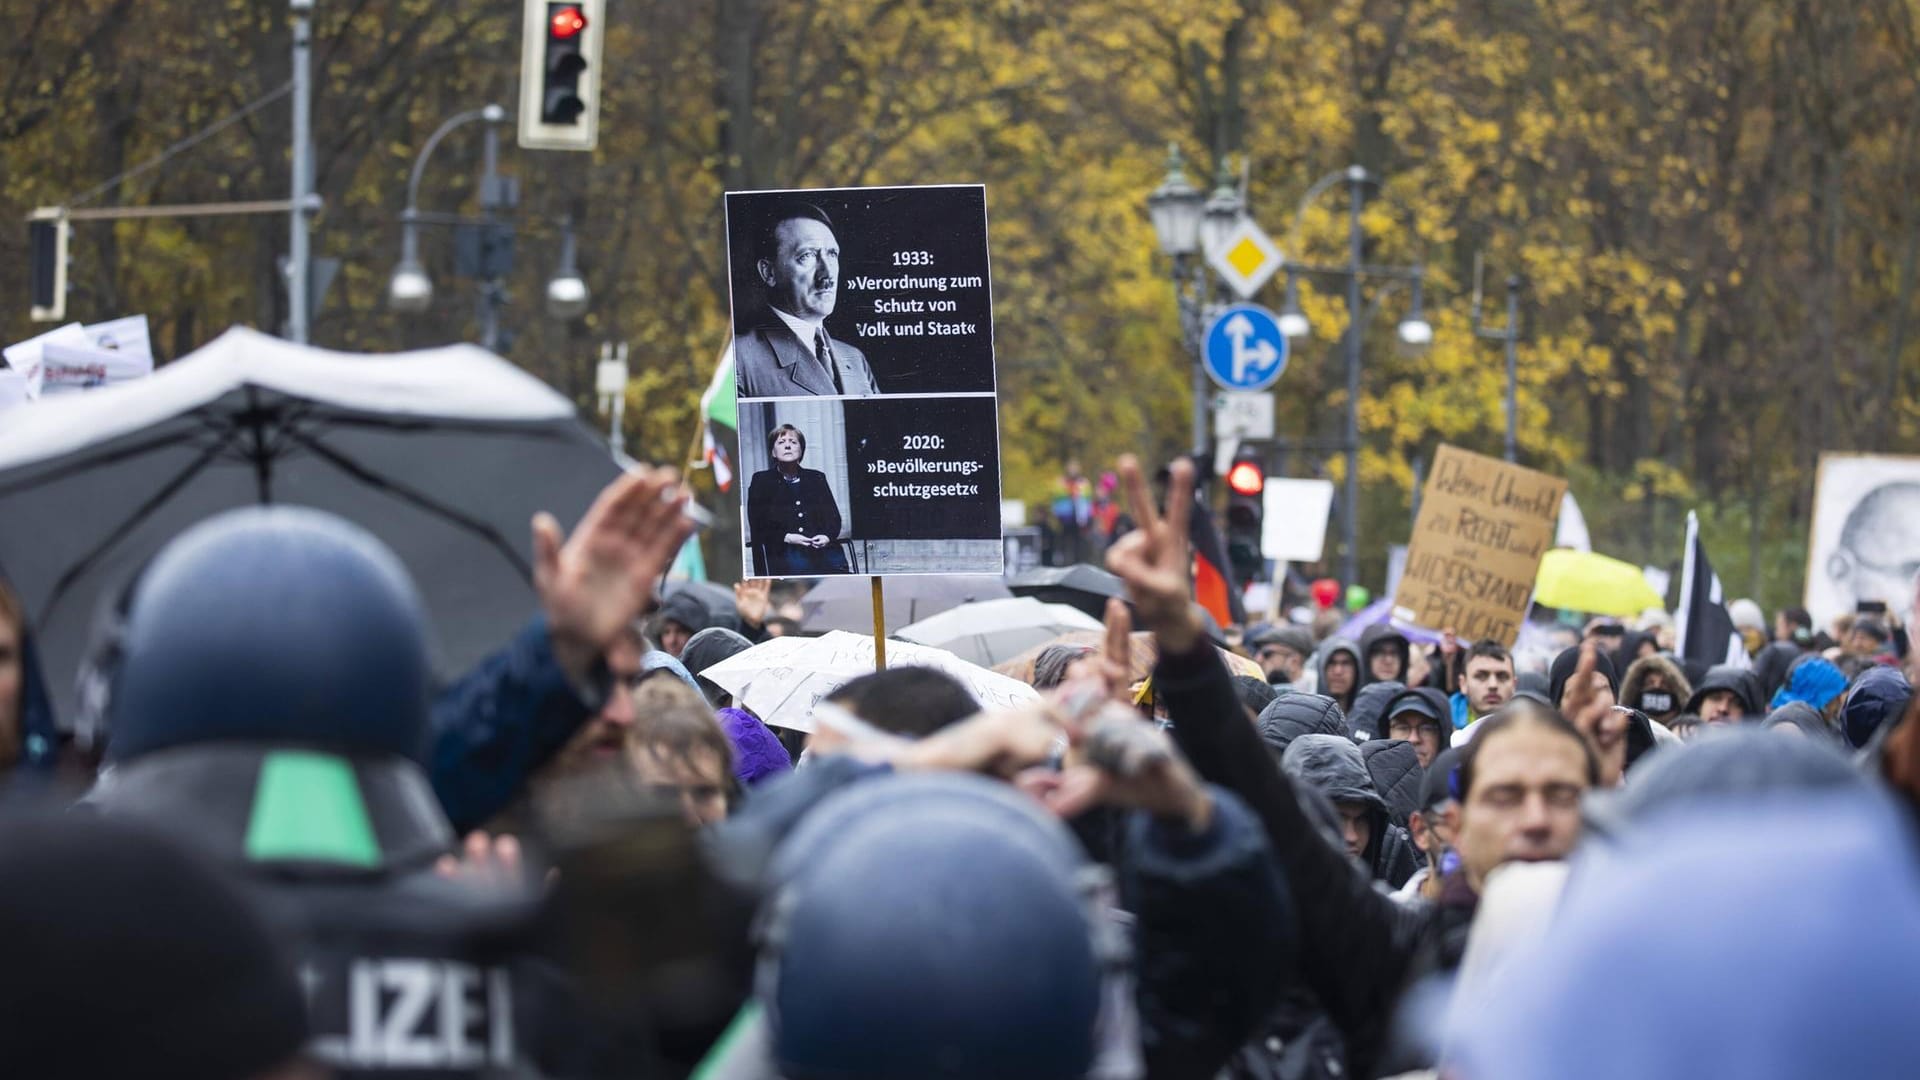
<point>1081,585</point>
<point>444,455</point>
<point>846,603</point>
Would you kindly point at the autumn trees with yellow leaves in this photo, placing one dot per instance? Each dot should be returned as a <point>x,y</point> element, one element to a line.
<point>1715,206</point>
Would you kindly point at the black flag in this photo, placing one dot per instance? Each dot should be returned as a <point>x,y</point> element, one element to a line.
<point>1702,626</point>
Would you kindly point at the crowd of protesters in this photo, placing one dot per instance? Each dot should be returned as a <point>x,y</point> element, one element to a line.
<point>288,852</point>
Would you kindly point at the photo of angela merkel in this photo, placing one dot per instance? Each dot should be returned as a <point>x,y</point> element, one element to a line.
<point>791,513</point>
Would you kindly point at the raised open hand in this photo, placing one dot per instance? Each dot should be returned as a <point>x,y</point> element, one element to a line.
<point>751,599</point>
<point>596,582</point>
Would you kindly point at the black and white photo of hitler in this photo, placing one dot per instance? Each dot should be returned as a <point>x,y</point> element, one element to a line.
<point>791,513</point>
<point>787,352</point>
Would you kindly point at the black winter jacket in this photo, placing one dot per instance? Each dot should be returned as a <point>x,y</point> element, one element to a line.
<point>1293,715</point>
<point>1368,717</point>
<point>1334,766</point>
<point>1395,767</point>
<point>1359,947</point>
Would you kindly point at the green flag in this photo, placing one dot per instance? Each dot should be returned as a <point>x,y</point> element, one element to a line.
<point>717,404</point>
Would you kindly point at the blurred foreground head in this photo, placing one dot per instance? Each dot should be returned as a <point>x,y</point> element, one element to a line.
<point>265,695</point>
<point>1777,900</point>
<point>935,926</point>
<point>126,957</point>
<point>277,624</point>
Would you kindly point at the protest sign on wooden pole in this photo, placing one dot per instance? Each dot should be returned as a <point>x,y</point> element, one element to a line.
<point>1476,546</point>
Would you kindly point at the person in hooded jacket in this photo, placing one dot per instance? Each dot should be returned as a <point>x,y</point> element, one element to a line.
<point>1368,717</point>
<point>1776,658</point>
<point>1387,653</point>
<point>707,648</point>
<point>1877,698</point>
<point>678,619</point>
<point>1360,947</point>
<point>1419,716</point>
<point>1339,671</point>
<point>1396,771</point>
<point>1333,766</point>
<point>1620,736</point>
<point>1655,686</point>
<point>1797,719</point>
<point>1290,716</point>
<point>1724,696</point>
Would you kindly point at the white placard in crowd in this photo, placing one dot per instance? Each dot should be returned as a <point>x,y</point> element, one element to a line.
<point>26,357</point>
<point>1293,520</point>
<point>65,369</point>
<point>13,389</point>
<point>128,336</point>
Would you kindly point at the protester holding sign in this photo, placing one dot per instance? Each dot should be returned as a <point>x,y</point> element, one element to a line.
<point>905,424</point>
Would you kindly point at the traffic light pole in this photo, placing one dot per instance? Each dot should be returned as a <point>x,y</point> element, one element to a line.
<point>299,246</point>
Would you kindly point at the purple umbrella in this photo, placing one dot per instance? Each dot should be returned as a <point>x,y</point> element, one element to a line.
<point>1381,611</point>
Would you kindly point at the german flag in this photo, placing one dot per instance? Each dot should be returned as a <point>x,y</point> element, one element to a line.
<point>1212,586</point>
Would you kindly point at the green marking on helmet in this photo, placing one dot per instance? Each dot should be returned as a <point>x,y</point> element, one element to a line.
<point>307,806</point>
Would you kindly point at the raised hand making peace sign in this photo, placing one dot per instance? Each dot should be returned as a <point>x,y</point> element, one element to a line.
<point>1154,560</point>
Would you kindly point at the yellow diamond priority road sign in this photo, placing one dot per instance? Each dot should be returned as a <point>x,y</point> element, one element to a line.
<point>1246,258</point>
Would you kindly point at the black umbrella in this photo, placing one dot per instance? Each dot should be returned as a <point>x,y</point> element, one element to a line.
<point>1081,585</point>
<point>443,455</point>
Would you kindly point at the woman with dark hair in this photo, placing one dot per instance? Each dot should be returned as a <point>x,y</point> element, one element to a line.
<point>791,512</point>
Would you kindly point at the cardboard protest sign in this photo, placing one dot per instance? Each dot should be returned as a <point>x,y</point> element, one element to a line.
<point>1476,546</point>
<point>863,365</point>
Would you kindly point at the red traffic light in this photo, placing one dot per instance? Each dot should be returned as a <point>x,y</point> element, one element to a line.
<point>1246,478</point>
<point>567,22</point>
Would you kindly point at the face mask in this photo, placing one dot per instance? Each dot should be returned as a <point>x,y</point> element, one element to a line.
<point>1656,702</point>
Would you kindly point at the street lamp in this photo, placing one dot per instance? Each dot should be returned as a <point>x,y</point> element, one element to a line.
<point>1414,332</point>
<point>1178,211</point>
<point>410,291</point>
<point>1222,211</point>
<point>490,256</point>
<point>566,291</point>
<point>1175,208</point>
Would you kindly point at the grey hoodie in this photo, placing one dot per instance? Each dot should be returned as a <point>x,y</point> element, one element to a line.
<point>1328,648</point>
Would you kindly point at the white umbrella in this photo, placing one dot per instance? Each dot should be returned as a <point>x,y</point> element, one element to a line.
<point>990,632</point>
<point>781,680</point>
<point>443,454</point>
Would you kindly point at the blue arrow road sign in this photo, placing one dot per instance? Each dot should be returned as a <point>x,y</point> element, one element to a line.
<point>1245,349</point>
